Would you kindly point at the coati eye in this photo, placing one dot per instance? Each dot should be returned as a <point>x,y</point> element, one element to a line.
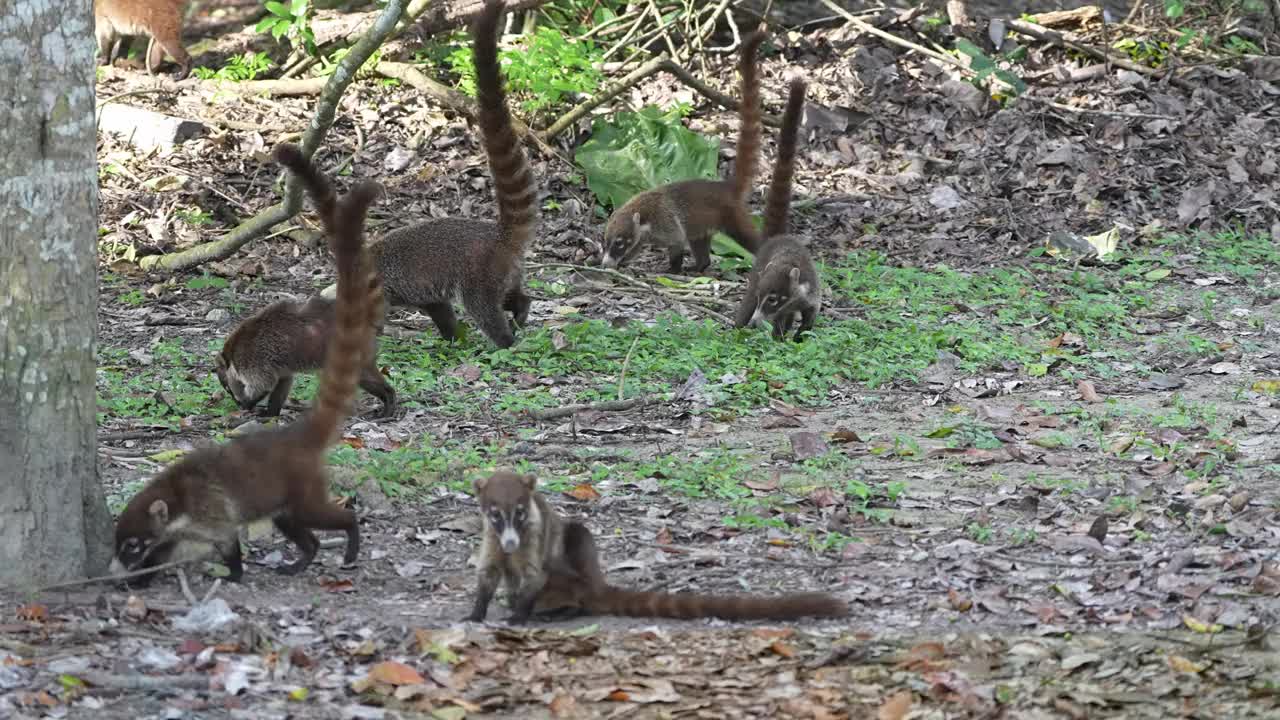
<point>520,514</point>
<point>495,516</point>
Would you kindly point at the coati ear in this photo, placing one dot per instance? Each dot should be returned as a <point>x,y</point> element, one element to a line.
<point>479,484</point>
<point>159,512</point>
<point>794,275</point>
<point>530,481</point>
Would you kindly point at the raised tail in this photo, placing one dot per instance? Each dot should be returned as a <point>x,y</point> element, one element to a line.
<point>749,132</point>
<point>512,176</point>
<point>778,204</point>
<point>354,318</point>
<point>636,603</point>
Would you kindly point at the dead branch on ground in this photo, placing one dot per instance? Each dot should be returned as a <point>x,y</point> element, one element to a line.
<point>603,406</point>
<point>322,120</point>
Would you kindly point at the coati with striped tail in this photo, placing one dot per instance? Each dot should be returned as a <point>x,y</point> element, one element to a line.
<point>279,473</point>
<point>783,282</point>
<point>262,354</point>
<point>430,264</point>
<point>549,564</point>
<point>159,19</point>
<point>682,216</point>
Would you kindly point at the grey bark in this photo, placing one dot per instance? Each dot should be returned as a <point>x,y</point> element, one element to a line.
<point>54,523</point>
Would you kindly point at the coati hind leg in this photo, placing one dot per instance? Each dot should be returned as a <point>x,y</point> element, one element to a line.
<point>279,395</point>
<point>517,303</point>
<point>316,512</point>
<point>675,259</point>
<point>443,316</point>
<point>300,536</point>
<point>372,381</point>
<point>701,248</point>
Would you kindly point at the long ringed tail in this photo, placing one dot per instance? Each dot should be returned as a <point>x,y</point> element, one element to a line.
<point>778,204</point>
<point>750,130</point>
<point>512,176</point>
<point>353,322</point>
<point>636,603</point>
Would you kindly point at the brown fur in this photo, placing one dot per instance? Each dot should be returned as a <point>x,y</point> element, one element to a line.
<point>784,281</point>
<point>682,216</point>
<point>206,496</point>
<point>550,564</point>
<point>263,353</point>
<point>430,264</point>
<point>159,19</point>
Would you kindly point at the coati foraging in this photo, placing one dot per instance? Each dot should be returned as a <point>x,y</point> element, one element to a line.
<point>159,19</point>
<point>265,351</point>
<point>682,216</point>
<point>279,473</point>
<point>550,564</point>
<point>430,264</point>
<point>783,281</point>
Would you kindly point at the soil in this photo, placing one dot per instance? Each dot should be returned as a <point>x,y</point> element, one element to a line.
<point>1161,602</point>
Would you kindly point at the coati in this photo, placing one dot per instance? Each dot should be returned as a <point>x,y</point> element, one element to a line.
<point>783,281</point>
<point>682,216</point>
<point>549,564</point>
<point>279,473</point>
<point>265,351</point>
<point>430,264</point>
<point>160,19</point>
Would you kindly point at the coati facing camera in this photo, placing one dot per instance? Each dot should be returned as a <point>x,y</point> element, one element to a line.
<point>279,473</point>
<point>682,216</point>
<point>265,351</point>
<point>783,281</point>
<point>549,564</point>
<point>430,264</point>
<point>159,19</point>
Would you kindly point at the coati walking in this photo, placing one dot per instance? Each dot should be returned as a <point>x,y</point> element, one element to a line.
<point>161,20</point>
<point>430,264</point>
<point>279,473</point>
<point>682,216</point>
<point>783,282</point>
<point>265,351</point>
<point>549,564</point>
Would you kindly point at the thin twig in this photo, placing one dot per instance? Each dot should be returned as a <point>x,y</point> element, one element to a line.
<point>652,289</point>
<point>568,119</point>
<point>185,588</point>
<point>604,406</point>
<point>622,376</point>
<point>146,683</point>
<point>114,578</point>
<point>1061,40</point>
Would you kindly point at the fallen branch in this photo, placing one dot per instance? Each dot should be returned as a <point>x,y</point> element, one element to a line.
<point>326,109</point>
<point>604,406</point>
<point>455,101</point>
<point>691,303</point>
<point>110,578</point>
<point>280,88</point>
<point>1061,40</point>
<point>711,93</point>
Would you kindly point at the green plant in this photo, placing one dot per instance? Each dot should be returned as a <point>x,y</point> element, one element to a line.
<point>206,281</point>
<point>548,67</point>
<point>978,532</point>
<point>291,21</point>
<point>636,151</point>
<point>133,297</point>
<point>238,68</point>
<point>194,216</point>
<point>1174,9</point>
<point>1022,536</point>
<point>987,68</point>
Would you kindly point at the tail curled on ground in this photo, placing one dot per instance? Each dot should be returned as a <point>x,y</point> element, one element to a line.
<point>634,603</point>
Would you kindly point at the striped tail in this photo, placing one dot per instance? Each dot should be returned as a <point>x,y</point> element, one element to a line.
<point>635,603</point>
<point>778,203</point>
<point>749,133</point>
<point>354,318</point>
<point>512,176</point>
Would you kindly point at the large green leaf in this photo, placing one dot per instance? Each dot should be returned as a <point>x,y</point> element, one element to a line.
<point>637,151</point>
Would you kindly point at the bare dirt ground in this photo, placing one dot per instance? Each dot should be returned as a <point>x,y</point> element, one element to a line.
<point>1056,497</point>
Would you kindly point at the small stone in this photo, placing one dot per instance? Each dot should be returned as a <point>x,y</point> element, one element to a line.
<point>218,315</point>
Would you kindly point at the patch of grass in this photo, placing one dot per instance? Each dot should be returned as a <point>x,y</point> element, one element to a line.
<point>194,216</point>
<point>175,385</point>
<point>1232,253</point>
<point>415,468</point>
<point>238,68</point>
<point>133,298</point>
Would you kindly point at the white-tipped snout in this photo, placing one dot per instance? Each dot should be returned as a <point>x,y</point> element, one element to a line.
<point>756,318</point>
<point>117,567</point>
<point>608,262</point>
<point>510,540</point>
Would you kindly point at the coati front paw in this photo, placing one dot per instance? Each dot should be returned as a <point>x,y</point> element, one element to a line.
<point>293,568</point>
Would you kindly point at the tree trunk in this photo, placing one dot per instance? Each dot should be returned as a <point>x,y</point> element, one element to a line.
<point>54,523</point>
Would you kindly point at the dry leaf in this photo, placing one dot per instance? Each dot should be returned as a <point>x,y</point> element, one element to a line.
<point>782,649</point>
<point>896,707</point>
<point>1088,392</point>
<point>1183,665</point>
<point>584,492</point>
<point>959,602</point>
<point>34,612</point>
<point>395,673</point>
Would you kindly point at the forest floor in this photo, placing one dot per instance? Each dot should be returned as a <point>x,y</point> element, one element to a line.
<point>1047,486</point>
